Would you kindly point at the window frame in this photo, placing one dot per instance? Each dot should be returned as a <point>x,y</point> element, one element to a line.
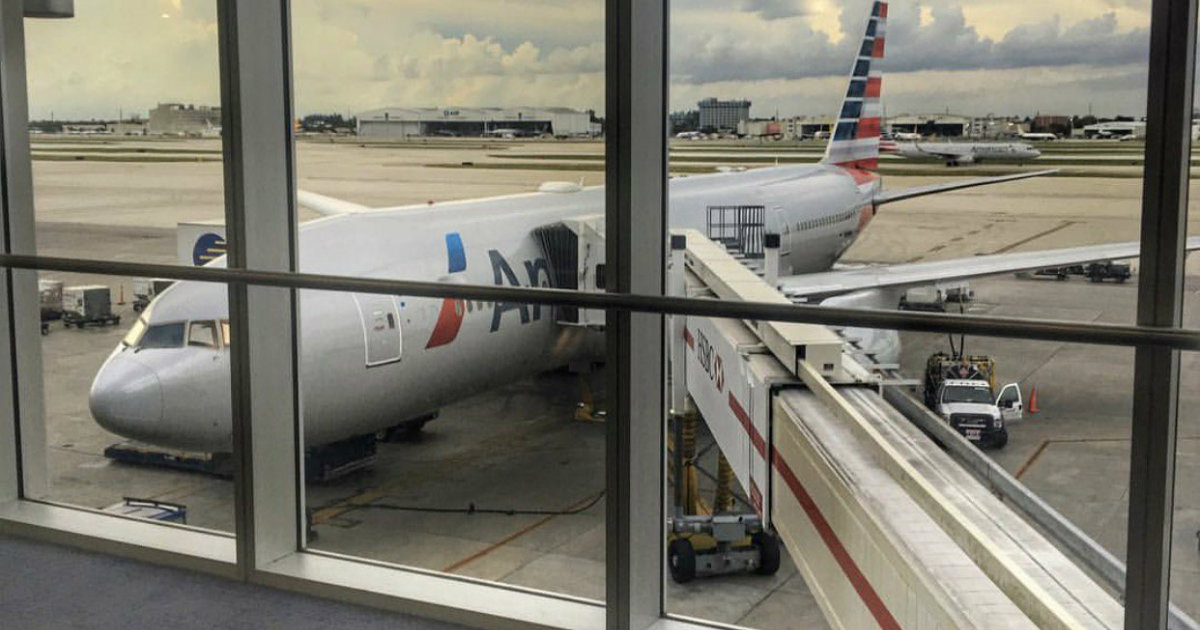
<point>269,544</point>
<point>215,344</point>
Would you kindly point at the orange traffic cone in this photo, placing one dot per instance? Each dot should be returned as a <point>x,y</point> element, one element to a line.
<point>1033,406</point>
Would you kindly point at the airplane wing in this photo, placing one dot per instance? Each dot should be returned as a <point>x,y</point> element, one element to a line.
<point>846,280</point>
<point>327,205</point>
<point>920,191</point>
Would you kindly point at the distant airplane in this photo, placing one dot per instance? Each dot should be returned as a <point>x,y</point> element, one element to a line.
<point>371,362</point>
<point>957,153</point>
<point>1047,137</point>
<point>690,135</point>
<point>508,132</point>
<point>906,135</point>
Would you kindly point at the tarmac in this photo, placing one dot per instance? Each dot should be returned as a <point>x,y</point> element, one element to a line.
<point>518,447</point>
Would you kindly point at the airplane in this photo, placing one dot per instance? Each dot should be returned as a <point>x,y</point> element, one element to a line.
<point>1034,135</point>
<point>509,133</point>
<point>956,153</point>
<point>370,362</point>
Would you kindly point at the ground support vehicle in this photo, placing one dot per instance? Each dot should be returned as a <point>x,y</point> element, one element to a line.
<point>1101,271</point>
<point>961,389</point>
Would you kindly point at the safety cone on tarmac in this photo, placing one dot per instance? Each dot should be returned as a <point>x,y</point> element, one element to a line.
<point>1033,406</point>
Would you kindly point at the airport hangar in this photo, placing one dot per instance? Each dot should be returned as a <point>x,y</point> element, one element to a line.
<point>405,122</point>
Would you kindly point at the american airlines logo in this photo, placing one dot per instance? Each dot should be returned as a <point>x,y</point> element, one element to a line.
<point>450,318</point>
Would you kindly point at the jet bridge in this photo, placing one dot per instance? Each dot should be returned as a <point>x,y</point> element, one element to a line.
<point>885,527</point>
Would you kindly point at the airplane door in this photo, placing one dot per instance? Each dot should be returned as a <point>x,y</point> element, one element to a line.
<point>381,328</point>
<point>777,224</point>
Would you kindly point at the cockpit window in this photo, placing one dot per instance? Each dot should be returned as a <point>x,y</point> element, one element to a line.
<point>134,336</point>
<point>203,334</point>
<point>163,336</point>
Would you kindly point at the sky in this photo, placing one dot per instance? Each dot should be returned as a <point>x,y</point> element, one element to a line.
<point>791,57</point>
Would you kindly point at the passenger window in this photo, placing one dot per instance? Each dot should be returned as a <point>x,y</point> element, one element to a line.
<point>163,336</point>
<point>391,321</point>
<point>203,334</point>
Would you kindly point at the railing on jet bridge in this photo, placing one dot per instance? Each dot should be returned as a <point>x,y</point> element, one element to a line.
<point>740,228</point>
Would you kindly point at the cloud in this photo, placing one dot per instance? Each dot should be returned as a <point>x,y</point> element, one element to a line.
<point>763,49</point>
<point>353,55</point>
<point>104,61</point>
<point>776,9</point>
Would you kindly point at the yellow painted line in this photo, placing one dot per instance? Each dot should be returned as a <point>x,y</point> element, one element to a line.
<point>324,515</point>
<point>454,566</point>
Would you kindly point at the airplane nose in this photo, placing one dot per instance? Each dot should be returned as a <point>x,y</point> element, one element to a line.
<point>126,398</point>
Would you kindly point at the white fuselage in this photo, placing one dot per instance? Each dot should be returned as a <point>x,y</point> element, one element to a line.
<point>370,362</point>
<point>967,152</point>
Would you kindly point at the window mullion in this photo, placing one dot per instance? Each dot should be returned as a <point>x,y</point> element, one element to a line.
<point>261,223</point>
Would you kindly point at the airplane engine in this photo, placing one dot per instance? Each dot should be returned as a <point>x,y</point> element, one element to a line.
<point>883,344</point>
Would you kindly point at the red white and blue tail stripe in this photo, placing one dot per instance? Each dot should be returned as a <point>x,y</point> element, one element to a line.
<point>855,139</point>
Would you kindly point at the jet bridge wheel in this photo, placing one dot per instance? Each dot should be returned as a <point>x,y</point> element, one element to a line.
<point>681,558</point>
<point>768,552</point>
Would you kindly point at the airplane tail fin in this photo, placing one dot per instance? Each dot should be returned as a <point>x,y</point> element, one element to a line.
<point>855,139</point>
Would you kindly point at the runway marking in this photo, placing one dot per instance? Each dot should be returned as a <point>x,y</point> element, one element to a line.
<point>324,515</point>
<point>1045,443</point>
<point>1011,246</point>
<point>1032,458</point>
<point>451,568</point>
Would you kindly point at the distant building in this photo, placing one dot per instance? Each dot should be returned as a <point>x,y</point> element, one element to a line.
<point>1060,125</point>
<point>177,119</point>
<point>1115,129</point>
<point>993,127</point>
<point>805,127</point>
<point>722,115</point>
<point>931,125</point>
<point>403,122</point>
<point>684,121</point>
<point>760,129</point>
<point>793,128</point>
<point>133,126</point>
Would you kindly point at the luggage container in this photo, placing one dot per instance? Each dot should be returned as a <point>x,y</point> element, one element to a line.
<point>88,305</point>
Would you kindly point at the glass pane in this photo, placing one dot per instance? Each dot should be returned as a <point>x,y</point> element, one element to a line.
<point>861,492</point>
<point>125,122</point>
<point>461,436</point>
<point>1185,545</point>
<point>760,88</point>
<point>480,462</point>
<point>136,421</point>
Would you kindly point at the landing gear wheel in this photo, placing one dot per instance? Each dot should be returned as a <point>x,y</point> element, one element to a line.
<point>768,552</point>
<point>407,432</point>
<point>681,558</point>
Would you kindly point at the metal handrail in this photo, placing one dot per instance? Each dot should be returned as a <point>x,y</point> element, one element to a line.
<point>1010,327</point>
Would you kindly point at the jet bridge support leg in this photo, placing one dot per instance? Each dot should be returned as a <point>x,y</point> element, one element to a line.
<point>712,541</point>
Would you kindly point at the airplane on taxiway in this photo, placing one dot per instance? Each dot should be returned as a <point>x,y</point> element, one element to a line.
<point>369,362</point>
<point>958,153</point>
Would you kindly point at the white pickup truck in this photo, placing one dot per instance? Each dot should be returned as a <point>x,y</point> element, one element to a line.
<point>970,407</point>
